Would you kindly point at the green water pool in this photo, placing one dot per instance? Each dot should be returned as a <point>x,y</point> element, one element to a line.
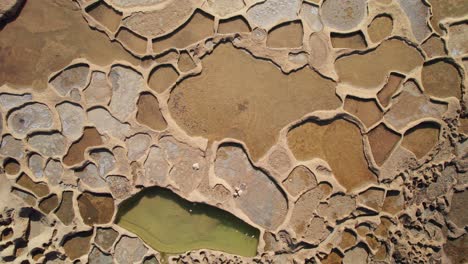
<point>171,224</point>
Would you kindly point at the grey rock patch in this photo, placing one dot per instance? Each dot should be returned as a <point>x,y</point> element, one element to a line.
<point>129,250</point>
<point>12,147</point>
<point>126,85</point>
<point>343,15</point>
<point>106,123</point>
<point>99,91</point>
<point>10,101</point>
<point>53,172</point>
<point>90,176</point>
<point>49,144</point>
<point>104,159</point>
<point>272,12</point>
<point>72,118</point>
<point>137,146</point>
<point>258,196</point>
<point>30,118</point>
<point>70,78</point>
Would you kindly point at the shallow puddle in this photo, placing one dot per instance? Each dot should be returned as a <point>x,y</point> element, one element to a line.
<point>171,224</point>
<point>46,36</point>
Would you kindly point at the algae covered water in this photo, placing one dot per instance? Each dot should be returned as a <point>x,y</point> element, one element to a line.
<point>171,224</point>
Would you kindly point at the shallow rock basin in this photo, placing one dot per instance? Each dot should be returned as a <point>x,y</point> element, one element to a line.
<point>171,224</point>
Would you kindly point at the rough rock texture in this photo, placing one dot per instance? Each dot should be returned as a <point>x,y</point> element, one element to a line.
<point>338,129</point>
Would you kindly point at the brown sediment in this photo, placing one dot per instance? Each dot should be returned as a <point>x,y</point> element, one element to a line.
<point>132,41</point>
<point>66,211</point>
<point>380,28</point>
<point>247,99</point>
<point>12,167</point>
<point>421,138</point>
<point>76,153</point>
<point>49,203</point>
<point>348,239</point>
<point>96,208</point>
<point>333,258</point>
<point>233,25</point>
<point>288,35</point>
<point>162,77</point>
<point>442,9</point>
<point>354,40</point>
<point>185,62</point>
<point>197,28</point>
<point>149,113</point>
<point>382,141</point>
<point>106,15</point>
<point>48,36</point>
<point>434,47</point>
<point>369,70</point>
<point>394,202</point>
<point>77,245</point>
<point>393,83</point>
<point>339,143</point>
<point>366,110</point>
<point>441,79</point>
<point>40,189</point>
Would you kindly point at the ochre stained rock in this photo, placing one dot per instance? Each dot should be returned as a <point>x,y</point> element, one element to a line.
<point>96,208</point>
<point>288,35</point>
<point>149,113</point>
<point>247,99</point>
<point>339,143</point>
<point>48,36</point>
<point>106,15</point>
<point>354,40</point>
<point>380,28</point>
<point>76,245</point>
<point>421,138</point>
<point>199,27</point>
<point>77,150</point>
<point>233,25</point>
<point>441,79</point>
<point>382,141</point>
<point>66,211</point>
<point>366,110</point>
<point>162,77</point>
<point>370,69</point>
<point>40,189</point>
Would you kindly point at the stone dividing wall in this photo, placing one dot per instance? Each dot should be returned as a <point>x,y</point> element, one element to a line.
<point>338,128</point>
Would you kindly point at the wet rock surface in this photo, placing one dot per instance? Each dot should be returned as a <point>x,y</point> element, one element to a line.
<point>338,129</point>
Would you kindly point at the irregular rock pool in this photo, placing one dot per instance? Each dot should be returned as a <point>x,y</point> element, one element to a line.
<point>171,224</point>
